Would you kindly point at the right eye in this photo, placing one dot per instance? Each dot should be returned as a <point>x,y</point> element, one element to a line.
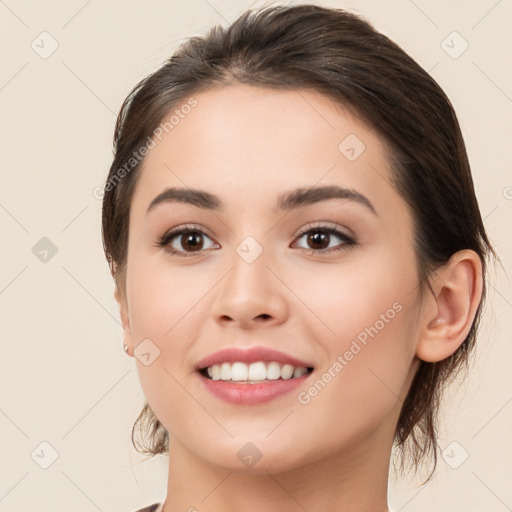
<point>183,241</point>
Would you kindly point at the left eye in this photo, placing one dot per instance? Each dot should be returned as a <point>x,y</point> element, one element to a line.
<point>322,235</point>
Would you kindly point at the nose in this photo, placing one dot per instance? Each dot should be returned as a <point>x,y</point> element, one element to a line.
<point>250,295</point>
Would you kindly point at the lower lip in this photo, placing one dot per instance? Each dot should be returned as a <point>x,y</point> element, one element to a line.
<point>248,394</point>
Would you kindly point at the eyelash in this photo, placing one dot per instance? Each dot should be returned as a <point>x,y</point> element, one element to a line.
<point>169,235</point>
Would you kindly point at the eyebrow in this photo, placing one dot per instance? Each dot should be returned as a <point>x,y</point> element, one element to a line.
<point>287,201</point>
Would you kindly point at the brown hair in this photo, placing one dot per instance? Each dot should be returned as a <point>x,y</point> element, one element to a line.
<point>341,55</point>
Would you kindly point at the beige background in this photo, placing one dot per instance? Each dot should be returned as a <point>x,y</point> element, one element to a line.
<point>64,378</point>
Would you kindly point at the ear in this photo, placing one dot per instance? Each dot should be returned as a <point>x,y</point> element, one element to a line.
<point>458,291</point>
<point>120,297</point>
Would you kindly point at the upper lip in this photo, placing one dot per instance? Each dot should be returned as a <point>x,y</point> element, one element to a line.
<point>250,355</point>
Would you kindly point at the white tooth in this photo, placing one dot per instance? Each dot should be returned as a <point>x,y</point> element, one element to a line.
<point>273,371</point>
<point>299,372</point>
<point>257,371</point>
<point>287,371</point>
<point>239,371</point>
<point>215,372</point>
<point>225,371</point>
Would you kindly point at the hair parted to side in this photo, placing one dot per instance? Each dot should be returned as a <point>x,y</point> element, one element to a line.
<point>341,55</point>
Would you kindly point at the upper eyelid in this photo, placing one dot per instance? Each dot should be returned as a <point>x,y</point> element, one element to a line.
<point>300,232</point>
<point>325,225</point>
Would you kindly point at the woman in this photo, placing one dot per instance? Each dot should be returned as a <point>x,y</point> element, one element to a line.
<point>299,261</point>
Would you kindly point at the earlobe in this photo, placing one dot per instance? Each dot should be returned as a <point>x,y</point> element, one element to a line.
<point>458,291</point>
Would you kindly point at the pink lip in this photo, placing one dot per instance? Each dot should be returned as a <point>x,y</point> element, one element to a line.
<point>250,394</point>
<point>250,355</point>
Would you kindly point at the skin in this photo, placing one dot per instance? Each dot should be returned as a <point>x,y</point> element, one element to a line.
<point>247,145</point>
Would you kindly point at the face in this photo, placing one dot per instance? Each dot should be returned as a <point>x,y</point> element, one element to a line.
<point>328,279</point>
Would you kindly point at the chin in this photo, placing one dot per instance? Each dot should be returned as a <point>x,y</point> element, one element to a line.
<point>243,456</point>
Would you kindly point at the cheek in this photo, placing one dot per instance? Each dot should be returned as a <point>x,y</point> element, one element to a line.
<point>363,327</point>
<point>162,310</point>
<point>354,296</point>
<point>162,299</point>
<point>169,307</point>
<point>364,380</point>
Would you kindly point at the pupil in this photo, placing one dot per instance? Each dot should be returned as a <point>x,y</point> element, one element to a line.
<point>315,238</point>
<point>191,237</point>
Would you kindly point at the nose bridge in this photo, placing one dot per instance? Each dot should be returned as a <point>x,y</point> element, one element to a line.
<point>250,290</point>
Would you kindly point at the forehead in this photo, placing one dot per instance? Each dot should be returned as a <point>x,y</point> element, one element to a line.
<point>246,144</point>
